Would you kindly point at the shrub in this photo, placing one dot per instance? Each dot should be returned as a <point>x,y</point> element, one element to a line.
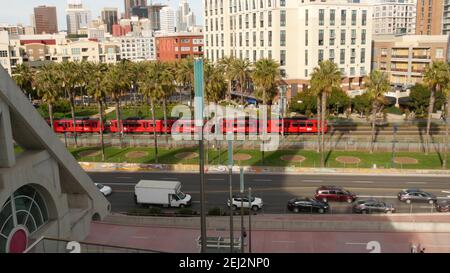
<point>187,211</point>
<point>215,212</point>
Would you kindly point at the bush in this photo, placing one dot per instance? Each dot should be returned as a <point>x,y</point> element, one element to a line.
<point>145,211</point>
<point>394,110</point>
<point>187,211</point>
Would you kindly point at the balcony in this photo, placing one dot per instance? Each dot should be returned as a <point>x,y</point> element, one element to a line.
<point>399,56</point>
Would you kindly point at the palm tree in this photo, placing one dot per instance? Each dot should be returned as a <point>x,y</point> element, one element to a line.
<point>227,66</point>
<point>241,70</point>
<point>23,75</point>
<point>377,85</point>
<point>68,81</point>
<point>118,82</point>
<point>185,76</point>
<point>215,85</point>
<point>435,77</point>
<point>324,78</point>
<point>446,90</point>
<point>317,94</point>
<point>96,87</point>
<point>266,75</point>
<point>167,81</point>
<point>47,87</point>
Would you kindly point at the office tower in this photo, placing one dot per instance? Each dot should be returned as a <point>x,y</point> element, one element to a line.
<point>46,20</point>
<point>77,17</point>
<point>110,18</point>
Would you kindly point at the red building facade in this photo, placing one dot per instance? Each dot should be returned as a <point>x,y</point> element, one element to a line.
<point>179,46</point>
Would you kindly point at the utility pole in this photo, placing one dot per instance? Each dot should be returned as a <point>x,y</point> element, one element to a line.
<point>249,223</point>
<point>242,208</point>
<point>199,122</point>
<point>230,174</point>
<point>394,142</point>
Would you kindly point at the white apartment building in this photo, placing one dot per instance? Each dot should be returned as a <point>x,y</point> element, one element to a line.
<point>297,33</point>
<point>396,17</point>
<point>4,51</point>
<point>136,48</point>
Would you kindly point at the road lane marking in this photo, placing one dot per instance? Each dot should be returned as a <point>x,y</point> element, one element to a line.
<point>312,181</point>
<point>262,180</point>
<point>364,182</point>
<point>417,183</point>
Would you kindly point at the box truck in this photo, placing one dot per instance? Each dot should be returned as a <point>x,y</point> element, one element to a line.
<point>165,193</point>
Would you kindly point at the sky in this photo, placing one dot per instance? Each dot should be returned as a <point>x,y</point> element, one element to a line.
<point>19,11</point>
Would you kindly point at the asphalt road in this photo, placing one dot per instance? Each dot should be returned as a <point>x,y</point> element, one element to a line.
<point>276,190</point>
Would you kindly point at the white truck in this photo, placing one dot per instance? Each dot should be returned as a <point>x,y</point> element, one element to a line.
<point>165,193</point>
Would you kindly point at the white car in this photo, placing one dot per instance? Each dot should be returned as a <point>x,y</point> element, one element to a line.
<point>106,190</point>
<point>238,201</point>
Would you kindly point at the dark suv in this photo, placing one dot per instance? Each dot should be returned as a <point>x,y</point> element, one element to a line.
<point>372,206</point>
<point>307,205</point>
<point>333,193</point>
<point>415,195</point>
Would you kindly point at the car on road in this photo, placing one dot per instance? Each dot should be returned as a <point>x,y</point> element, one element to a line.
<point>106,190</point>
<point>372,206</point>
<point>443,206</point>
<point>242,201</point>
<point>415,195</point>
<point>333,193</point>
<point>307,205</point>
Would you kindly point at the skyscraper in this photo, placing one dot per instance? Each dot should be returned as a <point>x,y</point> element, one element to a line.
<point>167,20</point>
<point>429,17</point>
<point>185,17</point>
<point>110,18</point>
<point>130,4</point>
<point>77,16</point>
<point>394,17</point>
<point>46,20</point>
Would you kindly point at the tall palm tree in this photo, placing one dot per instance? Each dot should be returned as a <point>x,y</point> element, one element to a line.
<point>153,84</point>
<point>435,76</point>
<point>215,85</point>
<point>23,75</point>
<point>324,78</point>
<point>185,76</point>
<point>96,87</point>
<point>317,93</point>
<point>167,81</point>
<point>46,84</point>
<point>265,76</point>
<point>68,81</point>
<point>377,84</point>
<point>241,70</point>
<point>226,64</point>
<point>118,82</point>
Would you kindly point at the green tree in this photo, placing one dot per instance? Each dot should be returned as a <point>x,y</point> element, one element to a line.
<point>46,84</point>
<point>377,85</point>
<point>266,75</point>
<point>226,65</point>
<point>435,77</point>
<point>215,85</point>
<point>241,70</point>
<point>361,104</point>
<point>339,101</point>
<point>420,100</point>
<point>304,103</point>
<point>184,76</point>
<point>96,87</point>
<point>23,75</point>
<point>324,78</point>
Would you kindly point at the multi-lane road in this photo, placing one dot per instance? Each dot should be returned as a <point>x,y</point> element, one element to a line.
<point>276,190</point>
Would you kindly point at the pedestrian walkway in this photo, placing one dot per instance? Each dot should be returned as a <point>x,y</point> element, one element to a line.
<point>107,111</point>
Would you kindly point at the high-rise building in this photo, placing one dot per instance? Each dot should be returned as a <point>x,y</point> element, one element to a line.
<point>130,4</point>
<point>46,20</point>
<point>185,17</point>
<point>394,17</point>
<point>110,18</point>
<point>297,35</point>
<point>429,17</point>
<point>167,20</point>
<point>446,18</point>
<point>77,17</point>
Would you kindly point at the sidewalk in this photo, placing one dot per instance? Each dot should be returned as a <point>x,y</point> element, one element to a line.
<point>184,168</point>
<point>107,111</point>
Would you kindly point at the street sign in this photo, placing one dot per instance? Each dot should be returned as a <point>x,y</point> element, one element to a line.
<point>199,91</point>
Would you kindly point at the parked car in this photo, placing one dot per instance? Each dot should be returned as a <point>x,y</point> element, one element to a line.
<point>308,205</point>
<point>333,193</point>
<point>372,206</point>
<point>106,190</point>
<point>443,206</point>
<point>416,195</point>
<point>242,201</point>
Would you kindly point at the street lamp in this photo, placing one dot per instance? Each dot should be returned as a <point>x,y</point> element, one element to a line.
<point>230,174</point>
<point>394,141</point>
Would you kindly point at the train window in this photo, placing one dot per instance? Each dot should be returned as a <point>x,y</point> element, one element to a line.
<point>310,125</point>
<point>302,124</point>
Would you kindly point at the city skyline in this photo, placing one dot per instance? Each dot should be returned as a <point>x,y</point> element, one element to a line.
<point>19,12</point>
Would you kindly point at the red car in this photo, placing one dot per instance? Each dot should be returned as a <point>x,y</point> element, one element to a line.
<point>333,193</point>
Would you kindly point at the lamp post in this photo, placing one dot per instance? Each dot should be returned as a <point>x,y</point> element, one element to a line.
<point>249,223</point>
<point>394,141</point>
<point>198,72</point>
<point>230,176</point>
<point>242,208</point>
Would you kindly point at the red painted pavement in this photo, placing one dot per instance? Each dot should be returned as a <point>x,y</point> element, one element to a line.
<point>184,240</point>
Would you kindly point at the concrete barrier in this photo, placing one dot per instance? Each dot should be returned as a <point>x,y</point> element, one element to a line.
<point>185,168</point>
<point>414,223</point>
